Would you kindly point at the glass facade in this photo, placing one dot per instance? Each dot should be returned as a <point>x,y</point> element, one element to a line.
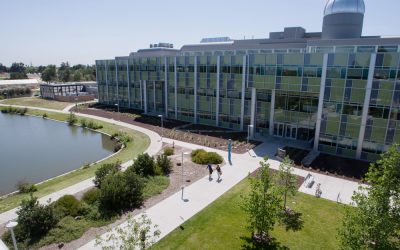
<point>216,89</point>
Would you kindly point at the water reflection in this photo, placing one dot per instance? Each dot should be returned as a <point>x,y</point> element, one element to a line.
<point>37,149</point>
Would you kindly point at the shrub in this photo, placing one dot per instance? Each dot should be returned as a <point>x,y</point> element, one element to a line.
<point>103,171</point>
<point>121,191</point>
<point>168,151</point>
<point>83,123</point>
<point>92,125</point>
<point>44,115</point>
<point>72,119</point>
<point>164,164</point>
<point>34,220</point>
<point>121,137</point>
<point>202,157</point>
<point>144,165</point>
<point>67,205</point>
<point>91,196</point>
<point>25,187</point>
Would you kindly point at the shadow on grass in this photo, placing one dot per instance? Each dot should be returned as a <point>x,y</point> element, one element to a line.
<point>249,244</point>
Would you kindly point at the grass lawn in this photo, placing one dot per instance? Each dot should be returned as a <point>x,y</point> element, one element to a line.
<point>137,145</point>
<point>36,102</point>
<point>222,225</point>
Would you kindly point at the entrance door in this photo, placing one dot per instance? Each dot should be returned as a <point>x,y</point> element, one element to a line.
<point>279,129</point>
<point>291,132</point>
<point>285,130</point>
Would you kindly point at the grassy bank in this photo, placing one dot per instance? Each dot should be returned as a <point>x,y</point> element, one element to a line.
<point>222,225</point>
<point>36,102</point>
<point>137,145</point>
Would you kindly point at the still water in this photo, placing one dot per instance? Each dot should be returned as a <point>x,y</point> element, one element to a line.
<point>35,149</point>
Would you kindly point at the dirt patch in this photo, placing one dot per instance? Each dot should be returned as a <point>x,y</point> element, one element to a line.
<point>296,154</point>
<point>177,130</point>
<point>191,173</point>
<point>351,169</point>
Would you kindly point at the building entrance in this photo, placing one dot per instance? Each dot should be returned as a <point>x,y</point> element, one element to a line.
<point>285,130</point>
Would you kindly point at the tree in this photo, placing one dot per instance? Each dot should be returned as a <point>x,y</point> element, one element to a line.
<point>136,234</point>
<point>144,165</point>
<point>102,172</point>
<point>262,205</point>
<point>64,72</point>
<point>164,164</point>
<point>34,220</point>
<point>18,71</point>
<point>49,74</point>
<point>77,76</point>
<point>286,180</point>
<point>3,68</point>
<point>374,222</point>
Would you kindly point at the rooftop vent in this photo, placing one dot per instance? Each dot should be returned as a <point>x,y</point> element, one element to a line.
<point>162,45</point>
<point>216,40</point>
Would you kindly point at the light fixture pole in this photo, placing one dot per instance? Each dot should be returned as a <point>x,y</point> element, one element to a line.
<point>248,133</point>
<point>11,225</point>
<point>117,104</point>
<point>182,182</point>
<point>162,125</point>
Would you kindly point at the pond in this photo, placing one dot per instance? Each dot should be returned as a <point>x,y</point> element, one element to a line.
<point>33,149</point>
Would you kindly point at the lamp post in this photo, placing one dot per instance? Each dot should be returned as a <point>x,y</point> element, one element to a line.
<point>248,132</point>
<point>117,104</point>
<point>162,125</point>
<point>11,225</point>
<point>182,182</point>
<point>76,104</point>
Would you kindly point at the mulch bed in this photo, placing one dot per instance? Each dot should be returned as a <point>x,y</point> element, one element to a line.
<point>218,140</point>
<point>296,154</point>
<point>300,179</point>
<point>351,169</point>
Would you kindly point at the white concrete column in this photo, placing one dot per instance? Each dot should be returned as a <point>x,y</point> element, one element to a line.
<point>108,90</point>
<point>243,92</point>
<point>128,77</point>
<point>116,80</point>
<point>166,86</point>
<point>141,94</point>
<point>272,113</point>
<point>145,96</point>
<point>253,111</point>
<point>195,91</point>
<point>217,92</point>
<point>176,89</point>
<point>367,100</point>
<point>154,96</point>
<point>320,101</point>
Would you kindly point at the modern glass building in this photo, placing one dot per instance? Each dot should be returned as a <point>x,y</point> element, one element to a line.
<point>336,89</point>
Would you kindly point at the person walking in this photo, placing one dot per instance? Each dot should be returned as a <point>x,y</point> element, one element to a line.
<point>210,170</point>
<point>219,172</point>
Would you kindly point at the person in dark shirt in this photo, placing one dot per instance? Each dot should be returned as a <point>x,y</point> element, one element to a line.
<point>210,170</point>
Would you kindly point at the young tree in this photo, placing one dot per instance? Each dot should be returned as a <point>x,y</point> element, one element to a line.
<point>137,234</point>
<point>374,222</point>
<point>49,74</point>
<point>262,205</point>
<point>105,170</point>
<point>286,180</point>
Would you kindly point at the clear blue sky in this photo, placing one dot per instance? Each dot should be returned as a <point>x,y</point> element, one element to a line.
<point>45,32</point>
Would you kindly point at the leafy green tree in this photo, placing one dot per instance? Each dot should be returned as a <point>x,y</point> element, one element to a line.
<point>121,191</point>
<point>77,76</point>
<point>144,165</point>
<point>374,221</point>
<point>64,72</point>
<point>3,68</point>
<point>49,74</point>
<point>102,172</point>
<point>34,220</point>
<point>18,71</point>
<point>286,180</point>
<point>164,164</point>
<point>138,234</point>
<point>262,205</point>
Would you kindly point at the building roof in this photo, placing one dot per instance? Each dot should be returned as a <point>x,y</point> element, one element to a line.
<point>344,6</point>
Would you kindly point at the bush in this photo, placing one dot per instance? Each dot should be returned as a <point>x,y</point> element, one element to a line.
<point>67,205</point>
<point>91,196</point>
<point>35,220</point>
<point>103,171</point>
<point>144,165</point>
<point>121,191</point>
<point>44,115</point>
<point>168,151</point>
<point>71,119</point>
<point>121,137</point>
<point>12,110</point>
<point>83,123</point>
<point>164,164</point>
<point>25,187</point>
<point>203,157</point>
<point>92,125</point>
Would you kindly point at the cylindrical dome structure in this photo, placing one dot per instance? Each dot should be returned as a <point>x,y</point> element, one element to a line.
<point>343,19</point>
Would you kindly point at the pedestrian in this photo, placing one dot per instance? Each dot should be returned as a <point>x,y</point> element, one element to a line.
<point>219,172</point>
<point>210,170</point>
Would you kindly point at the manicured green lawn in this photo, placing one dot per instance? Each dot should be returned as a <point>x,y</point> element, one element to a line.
<point>36,102</point>
<point>222,225</point>
<point>137,145</point>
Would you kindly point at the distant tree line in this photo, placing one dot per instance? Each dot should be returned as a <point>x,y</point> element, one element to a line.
<point>52,73</point>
